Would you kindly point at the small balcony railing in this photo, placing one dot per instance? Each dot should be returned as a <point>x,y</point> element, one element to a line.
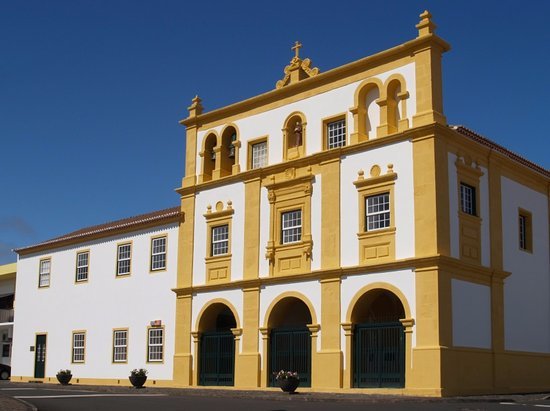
<point>6,316</point>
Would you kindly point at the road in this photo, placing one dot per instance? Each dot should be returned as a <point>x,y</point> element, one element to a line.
<point>49,398</point>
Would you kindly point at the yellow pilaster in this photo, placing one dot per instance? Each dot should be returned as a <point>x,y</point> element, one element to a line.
<point>348,331</point>
<point>251,246</point>
<point>429,85</point>
<point>191,144</point>
<point>330,214</point>
<point>183,358</point>
<point>316,368</point>
<point>264,378</point>
<point>330,374</point>
<point>248,372</point>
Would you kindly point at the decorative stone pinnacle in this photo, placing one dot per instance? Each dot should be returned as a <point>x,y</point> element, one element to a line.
<point>426,26</point>
<point>195,108</point>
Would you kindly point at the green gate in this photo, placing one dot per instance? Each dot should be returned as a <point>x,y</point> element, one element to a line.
<point>290,350</point>
<point>217,358</point>
<point>379,355</point>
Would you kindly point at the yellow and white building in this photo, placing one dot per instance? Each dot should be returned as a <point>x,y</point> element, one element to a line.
<point>339,227</point>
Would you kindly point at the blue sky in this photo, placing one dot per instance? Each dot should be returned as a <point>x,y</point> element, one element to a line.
<point>91,91</point>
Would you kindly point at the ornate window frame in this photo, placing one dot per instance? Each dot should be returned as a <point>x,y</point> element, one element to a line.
<point>218,267</point>
<point>333,119</point>
<point>376,246</point>
<point>468,172</point>
<point>251,144</point>
<point>290,194</point>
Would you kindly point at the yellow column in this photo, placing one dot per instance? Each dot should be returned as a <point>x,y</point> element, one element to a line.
<point>348,330</point>
<point>330,374</point>
<point>429,95</point>
<point>316,368</point>
<point>251,246</point>
<point>330,214</point>
<point>183,358</point>
<point>191,142</point>
<point>264,378</point>
<point>195,371</point>
<point>248,372</point>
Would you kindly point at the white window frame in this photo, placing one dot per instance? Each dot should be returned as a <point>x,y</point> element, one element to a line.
<point>468,199</point>
<point>155,349</point>
<point>79,347</point>
<point>82,266</point>
<point>336,133</point>
<point>259,155</point>
<point>291,226</point>
<point>380,218</point>
<point>158,253</point>
<point>44,273</point>
<point>120,346</point>
<point>124,259</point>
<point>220,240</point>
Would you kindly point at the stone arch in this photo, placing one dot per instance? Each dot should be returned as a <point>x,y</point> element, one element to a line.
<point>208,155</point>
<point>209,312</point>
<point>366,112</point>
<point>268,319</point>
<point>373,287</point>
<point>229,143</point>
<point>395,95</point>
<point>294,147</point>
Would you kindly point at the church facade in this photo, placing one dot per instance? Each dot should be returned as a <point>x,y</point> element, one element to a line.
<point>338,227</point>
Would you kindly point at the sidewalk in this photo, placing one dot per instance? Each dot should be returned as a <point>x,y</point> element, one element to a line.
<point>7,403</point>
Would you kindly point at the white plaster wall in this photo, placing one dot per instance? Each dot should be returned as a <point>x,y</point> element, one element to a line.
<point>403,280</point>
<point>400,155</point>
<point>316,206</point>
<point>454,203</point>
<point>526,290</point>
<point>315,108</point>
<point>309,289</point>
<point>471,306</point>
<point>98,306</point>
<point>264,232</point>
<point>231,192</point>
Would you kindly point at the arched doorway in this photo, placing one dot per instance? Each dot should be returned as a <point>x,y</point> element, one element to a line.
<point>378,341</point>
<point>290,340</point>
<point>217,346</point>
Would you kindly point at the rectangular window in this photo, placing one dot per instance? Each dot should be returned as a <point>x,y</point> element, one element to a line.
<point>158,253</point>
<point>468,199</point>
<point>336,134</point>
<point>120,345</point>
<point>525,230</point>
<point>82,266</point>
<point>259,155</point>
<point>124,255</point>
<point>155,344</point>
<point>377,211</point>
<point>44,273</point>
<point>79,344</point>
<point>220,240</point>
<point>291,226</point>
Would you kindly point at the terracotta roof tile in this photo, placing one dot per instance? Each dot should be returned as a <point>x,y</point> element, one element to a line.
<point>105,229</point>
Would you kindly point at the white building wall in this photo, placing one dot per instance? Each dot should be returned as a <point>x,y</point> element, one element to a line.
<point>526,290</point>
<point>471,306</point>
<point>400,155</point>
<point>315,108</point>
<point>231,192</point>
<point>98,306</point>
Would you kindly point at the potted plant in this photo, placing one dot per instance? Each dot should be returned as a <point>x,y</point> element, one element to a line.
<point>288,380</point>
<point>138,377</point>
<point>64,376</point>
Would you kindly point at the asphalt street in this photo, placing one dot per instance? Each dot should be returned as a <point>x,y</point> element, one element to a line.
<point>49,398</point>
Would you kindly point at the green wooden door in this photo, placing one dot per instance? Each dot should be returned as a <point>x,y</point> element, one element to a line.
<point>40,356</point>
<point>290,350</point>
<point>217,358</point>
<point>379,355</point>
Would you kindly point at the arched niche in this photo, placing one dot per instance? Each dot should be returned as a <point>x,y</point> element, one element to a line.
<point>229,152</point>
<point>208,155</point>
<point>395,97</point>
<point>366,112</point>
<point>217,316</point>
<point>294,136</point>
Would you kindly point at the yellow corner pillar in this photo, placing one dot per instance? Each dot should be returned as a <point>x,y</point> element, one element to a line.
<point>330,214</point>
<point>431,196</point>
<point>251,246</point>
<point>429,85</point>
<point>329,375</point>
<point>247,374</point>
<point>183,358</point>
<point>195,110</point>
